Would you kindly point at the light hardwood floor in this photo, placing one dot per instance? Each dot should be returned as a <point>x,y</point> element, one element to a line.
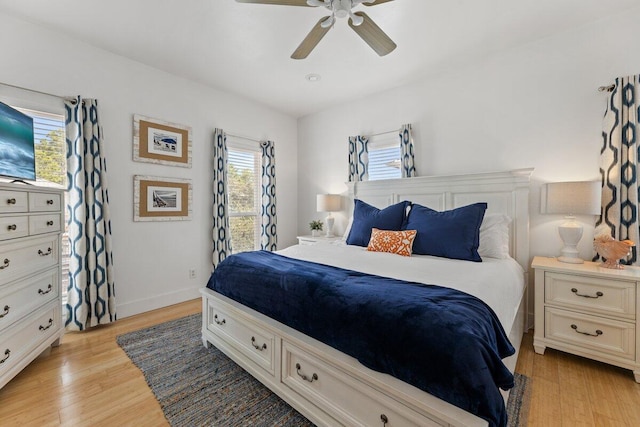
<point>89,381</point>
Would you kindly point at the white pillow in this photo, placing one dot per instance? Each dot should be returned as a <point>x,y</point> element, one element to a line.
<point>494,236</point>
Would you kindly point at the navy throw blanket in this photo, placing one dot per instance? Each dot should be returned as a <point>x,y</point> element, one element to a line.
<point>443,341</point>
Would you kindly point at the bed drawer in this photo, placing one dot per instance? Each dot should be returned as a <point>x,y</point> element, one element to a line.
<point>591,332</point>
<point>243,334</point>
<point>591,294</point>
<point>341,395</point>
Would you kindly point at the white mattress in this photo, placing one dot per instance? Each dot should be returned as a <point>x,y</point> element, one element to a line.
<point>497,282</point>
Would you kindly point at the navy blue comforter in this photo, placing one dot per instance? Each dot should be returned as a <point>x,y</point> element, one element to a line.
<point>445,342</point>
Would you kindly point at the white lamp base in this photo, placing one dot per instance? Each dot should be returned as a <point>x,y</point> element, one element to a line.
<point>330,220</point>
<point>571,233</point>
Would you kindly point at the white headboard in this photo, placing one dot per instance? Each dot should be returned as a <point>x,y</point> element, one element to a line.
<point>505,192</point>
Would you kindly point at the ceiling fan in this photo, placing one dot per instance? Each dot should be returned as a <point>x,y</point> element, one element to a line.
<point>358,21</point>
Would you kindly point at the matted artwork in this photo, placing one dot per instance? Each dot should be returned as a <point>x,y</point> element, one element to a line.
<point>160,142</point>
<point>161,199</point>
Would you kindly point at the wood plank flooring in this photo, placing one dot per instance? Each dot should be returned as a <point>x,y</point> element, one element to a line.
<point>89,381</point>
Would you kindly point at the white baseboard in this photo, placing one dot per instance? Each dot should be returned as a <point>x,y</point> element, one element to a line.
<point>157,301</point>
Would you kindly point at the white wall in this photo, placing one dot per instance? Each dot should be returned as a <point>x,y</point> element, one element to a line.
<point>534,106</point>
<point>151,259</point>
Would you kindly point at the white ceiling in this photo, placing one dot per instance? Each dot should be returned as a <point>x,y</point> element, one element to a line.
<point>245,48</point>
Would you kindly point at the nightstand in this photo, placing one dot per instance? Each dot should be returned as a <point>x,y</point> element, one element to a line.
<point>313,240</point>
<point>588,310</point>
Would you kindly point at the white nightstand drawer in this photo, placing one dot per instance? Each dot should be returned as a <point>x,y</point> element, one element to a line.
<point>591,332</point>
<point>591,295</point>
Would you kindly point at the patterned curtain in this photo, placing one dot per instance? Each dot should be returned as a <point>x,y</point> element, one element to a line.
<point>358,158</point>
<point>268,235</point>
<point>406,152</point>
<point>221,234</point>
<point>619,163</point>
<point>91,292</point>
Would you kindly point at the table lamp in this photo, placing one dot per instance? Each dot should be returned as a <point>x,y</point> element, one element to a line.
<point>570,199</point>
<point>328,203</point>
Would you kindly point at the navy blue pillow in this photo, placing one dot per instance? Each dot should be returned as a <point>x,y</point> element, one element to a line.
<point>366,217</point>
<point>451,234</point>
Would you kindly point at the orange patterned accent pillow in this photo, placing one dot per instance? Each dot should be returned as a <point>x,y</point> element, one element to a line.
<point>395,242</point>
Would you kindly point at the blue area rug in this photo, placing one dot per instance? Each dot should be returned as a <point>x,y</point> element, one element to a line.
<point>203,387</point>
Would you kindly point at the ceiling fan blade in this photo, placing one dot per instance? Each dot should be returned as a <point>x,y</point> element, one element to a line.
<point>280,2</point>
<point>376,2</point>
<point>373,35</point>
<point>311,41</point>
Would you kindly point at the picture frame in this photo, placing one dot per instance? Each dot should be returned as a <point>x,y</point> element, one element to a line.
<point>161,199</point>
<point>160,142</point>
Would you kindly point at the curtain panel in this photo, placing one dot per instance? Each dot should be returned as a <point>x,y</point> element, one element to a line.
<point>619,163</point>
<point>358,158</point>
<point>268,234</point>
<point>91,291</point>
<point>221,235</point>
<point>406,152</point>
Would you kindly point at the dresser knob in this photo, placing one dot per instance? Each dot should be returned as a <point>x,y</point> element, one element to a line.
<point>597,295</point>
<point>5,312</point>
<point>7,353</point>
<point>5,264</point>
<point>12,227</point>
<point>384,420</point>
<point>50,202</point>
<point>49,251</point>
<point>49,289</point>
<point>597,334</point>
<point>256,346</point>
<point>49,223</point>
<point>44,328</point>
<point>11,201</point>
<point>313,378</point>
<point>219,322</point>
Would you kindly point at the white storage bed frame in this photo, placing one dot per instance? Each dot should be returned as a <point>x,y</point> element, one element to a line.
<point>331,388</point>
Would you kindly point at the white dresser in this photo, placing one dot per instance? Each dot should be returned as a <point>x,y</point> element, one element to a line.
<point>31,222</point>
<point>588,310</point>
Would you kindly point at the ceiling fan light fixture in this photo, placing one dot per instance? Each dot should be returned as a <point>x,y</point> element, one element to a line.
<point>329,20</point>
<point>315,3</point>
<point>356,19</point>
<point>313,77</point>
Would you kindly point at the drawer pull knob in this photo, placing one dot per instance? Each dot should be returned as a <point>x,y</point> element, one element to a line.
<point>7,353</point>
<point>384,420</point>
<point>5,264</point>
<point>219,322</point>
<point>5,312</point>
<point>313,378</point>
<point>49,251</point>
<point>44,328</point>
<point>49,201</point>
<point>598,294</point>
<point>597,334</point>
<point>49,223</point>
<point>12,227</point>
<point>258,347</point>
<point>11,201</point>
<point>49,289</point>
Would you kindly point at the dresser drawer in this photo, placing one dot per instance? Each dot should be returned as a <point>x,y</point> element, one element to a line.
<point>591,332</point>
<point>20,298</point>
<point>247,337</point>
<point>28,256</point>
<point>24,337</point>
<point>336,391</point>
<point>591,295</point>
<point>40,224</point>
<point>43,202</point>
<point>13,201</point>
<point>12,227</point>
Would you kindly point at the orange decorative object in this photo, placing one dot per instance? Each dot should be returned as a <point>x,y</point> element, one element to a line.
<point>612,251</point>
<point>395,242</point>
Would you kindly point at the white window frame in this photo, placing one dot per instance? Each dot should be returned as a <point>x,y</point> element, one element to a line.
<point>383,142</point>
<point>243,145</point>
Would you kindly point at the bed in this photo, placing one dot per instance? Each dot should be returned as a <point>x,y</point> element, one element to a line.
<point>331,387</point>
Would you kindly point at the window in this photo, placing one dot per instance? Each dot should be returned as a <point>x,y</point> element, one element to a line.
<point>244,188</point>
<point>384,157</point>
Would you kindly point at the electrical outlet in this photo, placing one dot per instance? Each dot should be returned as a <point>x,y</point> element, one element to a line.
<point>192,273</point>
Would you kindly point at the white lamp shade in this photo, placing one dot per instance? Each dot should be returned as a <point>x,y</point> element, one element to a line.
<point>328,202</point>
<point>571,198</point>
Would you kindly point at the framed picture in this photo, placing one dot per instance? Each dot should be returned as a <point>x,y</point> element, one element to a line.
<point>161,199</point>
<point>156,141</point>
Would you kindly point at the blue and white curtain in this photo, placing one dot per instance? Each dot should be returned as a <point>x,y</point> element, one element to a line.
<point>91,292</point>
<point>268,235</point>
<point>619,163</point>
<point>407,162</point>
<point>358,158</point>
<point>221,234</point>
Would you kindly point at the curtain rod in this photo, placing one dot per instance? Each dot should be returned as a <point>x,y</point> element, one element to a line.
<point>606,88</point>
<point>383,133</point>
<point>64,98</point>
<point>242,137</point>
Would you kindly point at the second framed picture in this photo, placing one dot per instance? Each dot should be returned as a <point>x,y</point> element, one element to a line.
<point>161,199</point>
<point>160,142</point>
